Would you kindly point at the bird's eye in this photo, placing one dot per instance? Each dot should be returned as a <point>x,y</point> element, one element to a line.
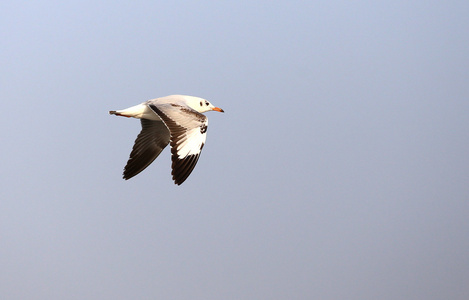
<point>206,103</point>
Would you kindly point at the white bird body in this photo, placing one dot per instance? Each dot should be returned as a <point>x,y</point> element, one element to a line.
<point>140,111</point>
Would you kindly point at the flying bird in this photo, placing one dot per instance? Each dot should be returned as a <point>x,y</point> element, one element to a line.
<point>175,120</point>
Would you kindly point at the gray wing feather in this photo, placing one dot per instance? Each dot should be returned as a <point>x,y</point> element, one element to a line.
<point>153,138</point>
<point>187,128</point>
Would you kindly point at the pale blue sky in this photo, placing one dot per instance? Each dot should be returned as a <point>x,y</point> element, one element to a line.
<point>339,170</point>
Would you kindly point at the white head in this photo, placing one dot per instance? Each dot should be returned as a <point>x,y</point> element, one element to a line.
<point>200,105</point>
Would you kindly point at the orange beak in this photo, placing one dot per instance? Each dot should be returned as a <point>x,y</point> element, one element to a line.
<point>218,109</point>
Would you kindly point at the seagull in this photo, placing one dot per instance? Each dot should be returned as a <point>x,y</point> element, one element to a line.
<point>175,120</point>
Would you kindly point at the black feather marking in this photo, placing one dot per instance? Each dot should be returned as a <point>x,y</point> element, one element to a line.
<point>203,128</point>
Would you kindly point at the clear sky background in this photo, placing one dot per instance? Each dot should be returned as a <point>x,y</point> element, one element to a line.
<point>340,169</point>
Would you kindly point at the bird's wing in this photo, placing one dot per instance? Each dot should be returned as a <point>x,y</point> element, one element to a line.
<point>153,138</point>
<point>188,129</point>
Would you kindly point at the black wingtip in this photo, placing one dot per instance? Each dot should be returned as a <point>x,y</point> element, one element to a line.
<point>182,168</point>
